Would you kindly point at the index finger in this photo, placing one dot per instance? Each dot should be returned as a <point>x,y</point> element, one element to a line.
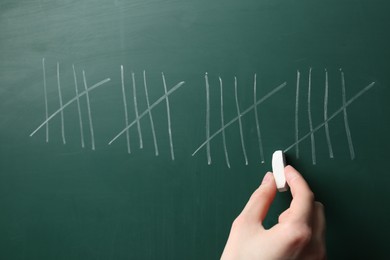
<point>302,203</point>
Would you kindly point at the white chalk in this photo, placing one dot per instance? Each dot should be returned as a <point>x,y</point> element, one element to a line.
<point>278,164</point>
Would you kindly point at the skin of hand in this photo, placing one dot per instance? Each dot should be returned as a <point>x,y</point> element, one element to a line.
<point>299,233</point>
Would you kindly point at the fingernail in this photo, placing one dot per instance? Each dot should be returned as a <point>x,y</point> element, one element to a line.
<point>266,178</point>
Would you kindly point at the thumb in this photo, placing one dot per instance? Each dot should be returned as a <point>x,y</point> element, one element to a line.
<point>257,207</point>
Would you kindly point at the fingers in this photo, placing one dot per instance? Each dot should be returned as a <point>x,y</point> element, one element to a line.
<point>303,199</point>
<point>318,233</point>
<point>316,248</point>
<point>319,225</point>
<point>257,207</point>
<point>302,205</point>
<point>306,240</point>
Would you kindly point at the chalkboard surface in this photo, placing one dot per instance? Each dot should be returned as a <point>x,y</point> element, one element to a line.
<point>138,129</point>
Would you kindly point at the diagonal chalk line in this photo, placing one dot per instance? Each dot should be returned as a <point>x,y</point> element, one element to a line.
<point>177,86</point>
<point>340,110</point>
<point>68,103</point>
<point>281,86</point>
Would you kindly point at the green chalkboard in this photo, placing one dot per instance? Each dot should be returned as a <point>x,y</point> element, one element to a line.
<point>138,129</point>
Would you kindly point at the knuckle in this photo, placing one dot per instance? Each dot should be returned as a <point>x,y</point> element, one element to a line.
<point>282,217</point>
<point>310,196</point>
<point>319,205</point>
<point>299,235</point>
<point>261,192</point>
<point>238,222</point>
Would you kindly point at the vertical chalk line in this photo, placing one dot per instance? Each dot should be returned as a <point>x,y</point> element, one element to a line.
<point>313,145</point>
<point>46,101</point>
<point>78,107</point>
<point>125,110</point>
<point>222,126</point>
<point>67,104</point>
<point>250,108</point>
<point>136,112</point>
<point>89,112</point>
<point>341,109</point>
<point>168,117</point>
<point>326,115</point>
<point>60,97</point>
<point>347,130</point>
<point>257,120</point>
<point>296,113</point>
<point>150,116</point>
<point>240,122</point>
<point>207,118</point>
<point>162,98</point>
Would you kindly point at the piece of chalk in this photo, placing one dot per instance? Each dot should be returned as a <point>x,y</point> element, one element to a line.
<point>278,164</point>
